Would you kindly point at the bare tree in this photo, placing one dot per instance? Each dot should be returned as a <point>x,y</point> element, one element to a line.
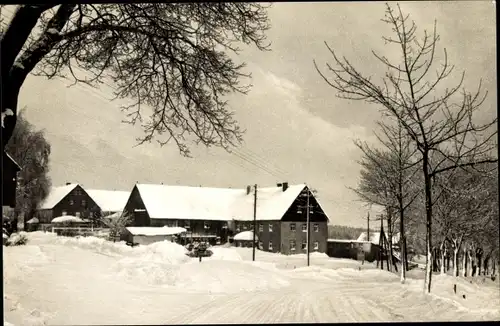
<point>171,59</point>
<point>117,224</point>
<point>436,121</point>
<point>387,179</point>
<point>31,150</point>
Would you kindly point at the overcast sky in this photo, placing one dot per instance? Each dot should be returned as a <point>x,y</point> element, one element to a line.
<point>296,127</point>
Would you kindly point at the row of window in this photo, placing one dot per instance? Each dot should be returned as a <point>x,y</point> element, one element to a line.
<point>77,214</point>
<point>293,227</point>
<point>71,202</point>
<point>292,245</point>
<point>187,224</point>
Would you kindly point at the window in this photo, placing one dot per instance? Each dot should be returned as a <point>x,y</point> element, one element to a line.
<point>186,225</point>
<point>270,245</point>
<point>292,245</point>
<point>270,228</point>
<point>77,214</point>
<point>64,213</point>
<point>77,192</point>
<point>238,229</point>
<point>261,227</point>
<point>71,202</point>
<point>261,245</point>
<point>316,227</point>
<point>292,227</point>
<point>316,245</point>
<point>304,245</point>
<point>206,225</point>
<point>304,227</point>
<point>84,202</point>
<point>244,226</point>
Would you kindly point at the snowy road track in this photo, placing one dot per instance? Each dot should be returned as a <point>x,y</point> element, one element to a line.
<point>54,281</point>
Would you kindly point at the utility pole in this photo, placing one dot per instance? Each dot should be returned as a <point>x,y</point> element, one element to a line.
<point>368,226</point>
<point>308,224</point>
<point>254,220</point>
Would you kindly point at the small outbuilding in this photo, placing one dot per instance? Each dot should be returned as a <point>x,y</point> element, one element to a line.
<point>244,239</point>
<point>145,235</point>
<point>32,224</point>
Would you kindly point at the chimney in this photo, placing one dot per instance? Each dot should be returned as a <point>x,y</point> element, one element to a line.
<point>68,183</point>
<point>248,190</point>
<point>285,186</point>
<point>279,185</point>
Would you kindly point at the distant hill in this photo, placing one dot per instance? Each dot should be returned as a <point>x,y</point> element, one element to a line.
<point>344,232</point>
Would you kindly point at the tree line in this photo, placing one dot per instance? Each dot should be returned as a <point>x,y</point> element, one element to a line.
<point>434,167</point>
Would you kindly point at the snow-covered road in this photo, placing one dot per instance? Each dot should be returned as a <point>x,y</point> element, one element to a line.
<point>88,283</point>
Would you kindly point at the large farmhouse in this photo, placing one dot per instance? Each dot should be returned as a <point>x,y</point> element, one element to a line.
<point>73,199</point>
<point>212,213</point>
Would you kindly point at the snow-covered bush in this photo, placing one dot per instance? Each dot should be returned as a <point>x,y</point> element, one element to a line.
<point>17,239</point>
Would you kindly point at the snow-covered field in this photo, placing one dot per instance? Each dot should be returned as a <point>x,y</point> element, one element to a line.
<point>58,280</point>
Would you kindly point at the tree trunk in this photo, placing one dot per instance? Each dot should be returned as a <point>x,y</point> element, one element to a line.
<point>13,39</point>
<point>428,215</point>
<point>402,246</point>
<point>443,257</point>
<point>389,241</point>
<point>479,259</point>
<point>464,261</point>
<point>403,258</point>
<point>407,265</point>
<point>455,261</point>
<point>471,261</point>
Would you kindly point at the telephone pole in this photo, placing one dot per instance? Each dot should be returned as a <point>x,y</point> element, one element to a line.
<point>308,232</point>
<point>308,220</point>
<point>254,220</point>
<point>368,227</point>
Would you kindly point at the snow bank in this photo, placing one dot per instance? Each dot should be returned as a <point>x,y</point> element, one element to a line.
<point>481,294</point>
<point>220,253</point>
<point>33,220</point>
<point>245,236</point>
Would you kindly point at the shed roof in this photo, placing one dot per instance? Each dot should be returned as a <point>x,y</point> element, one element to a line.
<point>56,194</point>
<point>152,231</point>
<point>204,203</point>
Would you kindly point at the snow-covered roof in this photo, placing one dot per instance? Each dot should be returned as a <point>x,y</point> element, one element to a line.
<point>68,218</point>
<point>151,231</point>
<point>342,240</point>
<point>246,236</point>
<point>56,195</point>
<point>33,220</point>
<point>203,203</point>
<point>109,200</point>
<point>374,237</point>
